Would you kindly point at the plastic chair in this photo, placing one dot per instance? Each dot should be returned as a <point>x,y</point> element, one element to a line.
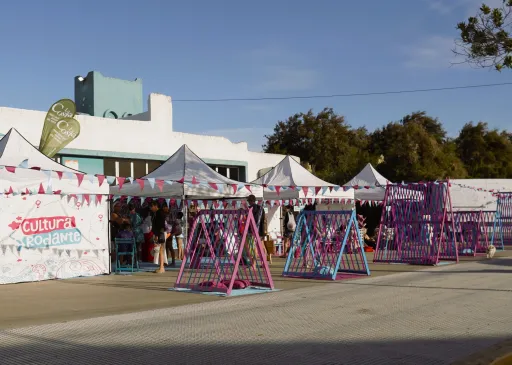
<point>129,253</point>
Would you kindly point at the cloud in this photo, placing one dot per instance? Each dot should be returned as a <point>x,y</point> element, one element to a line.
<point>279,69</point>
<point>431,53</point>
<point>254,137</point>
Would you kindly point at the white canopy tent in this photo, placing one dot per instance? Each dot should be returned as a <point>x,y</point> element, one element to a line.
<point>198,179</point>
<point>465,196</point>
<point>46,236</point>
<point>368,176</point>
<point>289,172</point>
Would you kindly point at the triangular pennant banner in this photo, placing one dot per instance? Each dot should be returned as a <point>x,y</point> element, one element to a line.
<point>80,178</point>
<point>101,179</point>
<point>160,184</point>
<point>120,182</point>
<point>24,164</point>
<point>151,182</point>
<point>111,180</point>
<point>141,183</point>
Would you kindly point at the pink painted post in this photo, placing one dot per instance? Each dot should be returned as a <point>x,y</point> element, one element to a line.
<point>414,227</point>
<point>224,253</point>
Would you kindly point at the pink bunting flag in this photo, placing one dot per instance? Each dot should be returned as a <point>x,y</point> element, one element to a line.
<point>213,186</point>
<point>182,180</point>
<point>59,174</point>
<point>10,169</point>
<point>101,179</point>
<point>216,204</point>
<point>80,178</point>
<point>305,190</point>
<point>317,190</point>
<point>234,186</point>
<point>194,181</point>
<point>87,199</point>
<point>57,192</point>
<point>98,198</point>
<point>278,189</point>
<point>41,189</point>
<point>10,191</point>
<point>160,184</point>
<point>141,183</point>
<point>225,204</point>
<point>248,187</point>
<point>330,188</point>
<point>120,181</point>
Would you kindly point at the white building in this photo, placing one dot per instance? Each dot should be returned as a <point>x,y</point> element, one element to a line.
<point>117,137</point>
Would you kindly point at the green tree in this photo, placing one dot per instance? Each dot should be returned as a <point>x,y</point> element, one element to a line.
<point>485,153</point>
<point>331,146</point>
<point>485,39</point>
<point>416,149</point>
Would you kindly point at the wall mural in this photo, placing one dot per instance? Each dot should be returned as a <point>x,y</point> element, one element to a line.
<point>51,237</point>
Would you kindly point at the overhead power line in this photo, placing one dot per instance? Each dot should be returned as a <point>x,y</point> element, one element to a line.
<point>348,95</point>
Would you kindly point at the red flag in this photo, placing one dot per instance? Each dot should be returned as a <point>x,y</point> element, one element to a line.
<point>278,189</point>
<point>98,198</point>
<point>10,169</point>
<point>225,204</point>
<point>57,192</point>
<point>182,180</point>
<point>160,184</point>
<point>213,186</point>
<point>80,178</point>
<point>234,186</point>
<point>194,181</point>
<point>101,179</point>
<point>248,187</point>
<point>120,181</point>
<point>59,174</point>
<point>141,183</point>
<point>317,190</point>
<point>305,190</point>
<point>10,191</point>
<point>330,188</point>
<point>41,189</point>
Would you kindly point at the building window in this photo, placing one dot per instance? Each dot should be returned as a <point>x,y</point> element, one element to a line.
<point>222,170</point>
<point>139,168</point>
<point>233,172</point>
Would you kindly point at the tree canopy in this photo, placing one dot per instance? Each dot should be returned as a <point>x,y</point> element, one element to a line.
<point>485,39</point>
<point>413,148</point>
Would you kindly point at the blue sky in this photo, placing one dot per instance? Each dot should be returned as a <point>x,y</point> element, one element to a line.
<point>237,49</point>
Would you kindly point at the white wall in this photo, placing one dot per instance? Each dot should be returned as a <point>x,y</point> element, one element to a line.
<point>138,136</point>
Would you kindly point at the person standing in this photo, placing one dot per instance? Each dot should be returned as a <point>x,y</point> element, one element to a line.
<point>136,223</point>
<point>259,217</point>
<point>158,229</point>
<point>288,228</point>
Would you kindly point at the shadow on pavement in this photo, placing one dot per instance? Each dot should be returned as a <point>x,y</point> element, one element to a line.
<point>163,350</point>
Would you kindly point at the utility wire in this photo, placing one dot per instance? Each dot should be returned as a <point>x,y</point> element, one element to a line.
<point>347,95</point>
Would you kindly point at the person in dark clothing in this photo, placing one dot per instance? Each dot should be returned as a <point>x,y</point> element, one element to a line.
<point>259,215</point>
<point>288,228</point>
<point>250,257</point>
<point>158,229</point>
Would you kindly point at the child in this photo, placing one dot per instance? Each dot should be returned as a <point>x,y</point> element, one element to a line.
<point>125,232</point>
<point>177,233</point>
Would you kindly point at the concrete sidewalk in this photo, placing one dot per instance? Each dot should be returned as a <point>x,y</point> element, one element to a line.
<point>56,301</point>
<point>432,316</point>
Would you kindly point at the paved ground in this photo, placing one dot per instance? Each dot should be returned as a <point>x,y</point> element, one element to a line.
<point>65,300</point>
<point>433,316</point>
